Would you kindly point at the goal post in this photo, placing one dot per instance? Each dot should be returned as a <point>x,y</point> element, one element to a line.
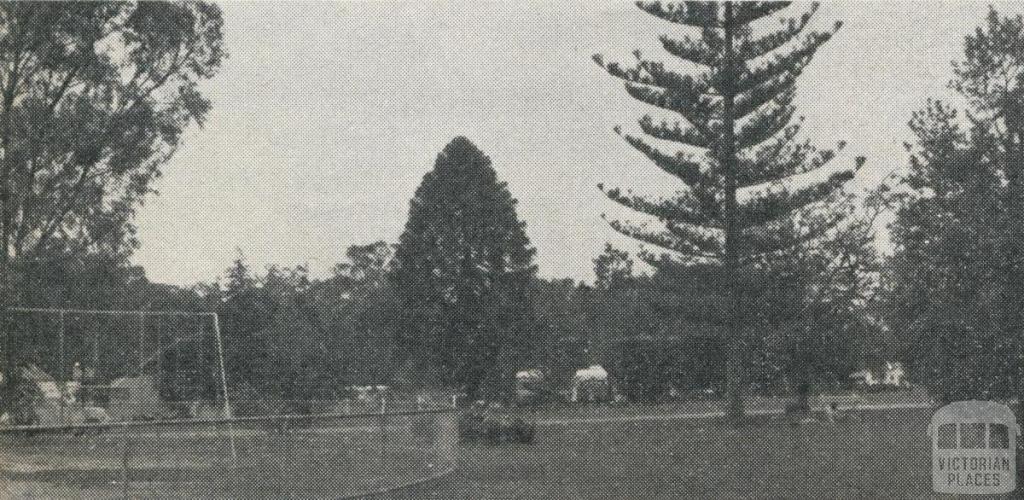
<point>129,368</point>
<point>78,366</point>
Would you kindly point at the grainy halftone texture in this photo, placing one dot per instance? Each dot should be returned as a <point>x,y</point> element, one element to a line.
<point>406,455</point>
<point>326,117</point>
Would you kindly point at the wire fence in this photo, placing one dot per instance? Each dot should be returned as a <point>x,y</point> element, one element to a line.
<point>73,367</point>
<point>288,456</point>
<point>135,404</point>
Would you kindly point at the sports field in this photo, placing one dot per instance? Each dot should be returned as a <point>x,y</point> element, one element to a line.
<point>326,458</point>
<point>868,454</point>
<point>588,453</point>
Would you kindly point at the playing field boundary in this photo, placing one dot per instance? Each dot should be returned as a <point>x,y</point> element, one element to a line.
<point>215,421</point>
<point>425,487</point>
<point>713,414</point>
<point>401,454</point>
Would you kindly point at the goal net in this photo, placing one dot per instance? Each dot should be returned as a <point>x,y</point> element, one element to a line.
<point>129,404</point>
<point>78,366</point>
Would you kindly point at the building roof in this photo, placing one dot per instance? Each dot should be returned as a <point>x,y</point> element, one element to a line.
<point>33,373</point>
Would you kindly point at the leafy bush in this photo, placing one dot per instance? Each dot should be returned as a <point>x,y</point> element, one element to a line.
<point>494,427</point>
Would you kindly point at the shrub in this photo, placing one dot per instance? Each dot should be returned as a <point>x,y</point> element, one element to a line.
<point>494,427</point>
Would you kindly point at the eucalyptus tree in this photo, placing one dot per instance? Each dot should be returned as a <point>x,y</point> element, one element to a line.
<point>94,99</point>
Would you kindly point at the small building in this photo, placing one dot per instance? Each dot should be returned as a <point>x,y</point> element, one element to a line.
<point>894,374</point>
<point>590,385</point>
<point>135,398</point>
<point>863,377</point>
<point>891,374</point>
<point>46,386</point>
<point>51,403</point>
<point>529,386</point>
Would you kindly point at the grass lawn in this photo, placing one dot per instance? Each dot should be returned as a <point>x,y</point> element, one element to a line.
<point>185,461</point>
<point>870,454</point>
<point>617,453</point>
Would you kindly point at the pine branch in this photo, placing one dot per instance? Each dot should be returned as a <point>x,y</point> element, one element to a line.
<point>651,83</point>
<point>799,159</point>
<point>659,238</point>
<point>680,165</point>
<point>709,241</point>
<point>786,234</point>
<point>683,208</point>
<point>695,14</point>
<point>782,88</point>
<point>694,51</point>
<point>748,12</point>
<point>654,74</point>
<point>764,124</point>
<point>781,251</point>
<point>792,27</point>
<point>664,260</point>
<point>698,113</point>
<point>792,62</point>
<point>769,153</point>
<point>674,132</point>
<point>779,200</point>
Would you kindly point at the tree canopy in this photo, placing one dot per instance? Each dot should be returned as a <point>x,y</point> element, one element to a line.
<point>462,274</point>
<point>94,99</point>
<point>956,280</point>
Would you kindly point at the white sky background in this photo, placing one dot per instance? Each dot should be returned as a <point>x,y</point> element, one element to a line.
<point>327,115</point>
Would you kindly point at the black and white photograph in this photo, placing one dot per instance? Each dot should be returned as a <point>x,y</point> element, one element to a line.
<point>524,249</point>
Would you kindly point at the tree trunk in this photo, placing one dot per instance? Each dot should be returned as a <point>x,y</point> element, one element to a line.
<point>7,391</point>
<point>10,372</point>
<point>734,326</point>
<point>803,396</point>
<point>1013,286</point>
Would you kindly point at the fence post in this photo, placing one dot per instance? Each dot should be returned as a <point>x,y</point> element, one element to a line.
<point>62,373</point>
<point>125,457</point>
<point>228,414</point>
<point>382,419</point>
<point>292,465</point>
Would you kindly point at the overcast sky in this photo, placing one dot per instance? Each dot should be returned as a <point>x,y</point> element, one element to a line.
<point>327,115</point>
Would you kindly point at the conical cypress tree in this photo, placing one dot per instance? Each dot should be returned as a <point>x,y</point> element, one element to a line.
<point>461,276</point>
<point>738,136</point>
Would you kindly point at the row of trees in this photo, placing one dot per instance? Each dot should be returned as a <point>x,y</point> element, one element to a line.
<point>789,263</point>
<point>763,269</point>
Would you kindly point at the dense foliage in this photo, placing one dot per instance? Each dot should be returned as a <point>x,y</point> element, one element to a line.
<point>763,273</point>
<point>94,98</point>
<point>461,277</point>
<point>956,282</point>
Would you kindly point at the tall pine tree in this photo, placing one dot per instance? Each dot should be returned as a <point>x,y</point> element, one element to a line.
<point>461,276</point>
<point>742,205</point>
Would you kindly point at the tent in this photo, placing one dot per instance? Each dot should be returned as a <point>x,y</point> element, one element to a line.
<point>590,384</point>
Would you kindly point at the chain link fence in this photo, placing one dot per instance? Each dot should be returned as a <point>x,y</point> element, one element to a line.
<point>125,404</point>
<point>308,456</point>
